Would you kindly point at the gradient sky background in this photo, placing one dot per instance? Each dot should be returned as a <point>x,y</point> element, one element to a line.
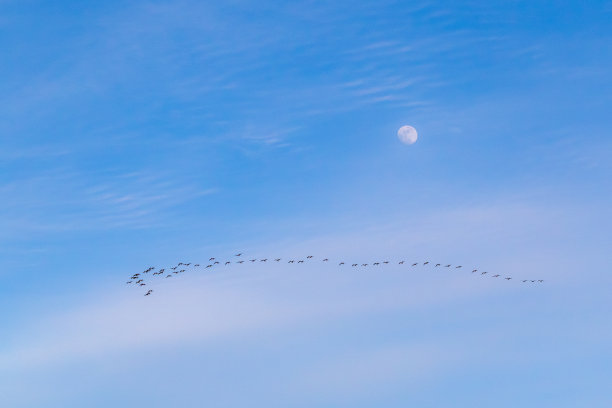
<point>151,132</point>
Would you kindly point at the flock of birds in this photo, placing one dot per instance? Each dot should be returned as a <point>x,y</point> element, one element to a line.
<point>138,279</point>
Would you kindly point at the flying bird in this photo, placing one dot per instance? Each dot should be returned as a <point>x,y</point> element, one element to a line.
<point>238,254</point>
<point>507,278</point>
<point>149,292</point>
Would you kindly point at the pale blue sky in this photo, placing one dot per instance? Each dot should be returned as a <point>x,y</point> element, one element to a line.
<point>150,132</point>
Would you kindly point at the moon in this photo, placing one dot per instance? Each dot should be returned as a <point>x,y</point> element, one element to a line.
<point>407,135</point>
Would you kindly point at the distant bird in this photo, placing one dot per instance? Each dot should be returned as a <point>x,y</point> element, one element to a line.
<point>437,265</point>
<point>425,263</point>
<point>300,261</point>
<point>475,270</point>
<point>277,259</point>
<point>483,273</point>
<point>496,276</point>
<point>401,262</point>
<point>143,284</point>
<point>415,264</point>
<point>209,266</point>
<point>507,278</point>
<point>228,262</point>
<point>140,281</point>
<point>264,260</point>
<point>325,260</point>
<point>457,267</point>
<point>187,264</point>
<point>128,282</point>
<point>168,276</point>
<point>238,254</point>
<point>176,272</point>
<point>447,266</point>
<point>174,267</point>
<point>341,263</point>
<point>196,265</point>
<point>149,292</point>
<point>540,280</point>
<point>211,259</point>
<point>252,260</point>
<point>376,263</point>
<point>291,261</point>
<point>364,264</point>
<point>524,280</point>
<point>180,263</point>
<point>354,265</point>
<point>216,263</point>
<point>385,262</point>
<point>309,257</point>
<point>240,261</point>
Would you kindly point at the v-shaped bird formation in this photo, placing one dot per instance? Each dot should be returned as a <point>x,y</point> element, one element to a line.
<point>140,279</point>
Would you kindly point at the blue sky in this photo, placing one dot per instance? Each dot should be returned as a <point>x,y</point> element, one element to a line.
<point>151,132</point>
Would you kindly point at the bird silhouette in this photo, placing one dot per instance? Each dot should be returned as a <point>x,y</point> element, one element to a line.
<point>277,259</point>
<point>507,278</point>
<point>149,292</point>
<point>238,254</point>
<point>437,265</point>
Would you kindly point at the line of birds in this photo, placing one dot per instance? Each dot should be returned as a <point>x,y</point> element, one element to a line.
<point>138,280</point>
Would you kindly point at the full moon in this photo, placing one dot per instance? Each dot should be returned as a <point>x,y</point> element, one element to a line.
<point>407,135</point>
